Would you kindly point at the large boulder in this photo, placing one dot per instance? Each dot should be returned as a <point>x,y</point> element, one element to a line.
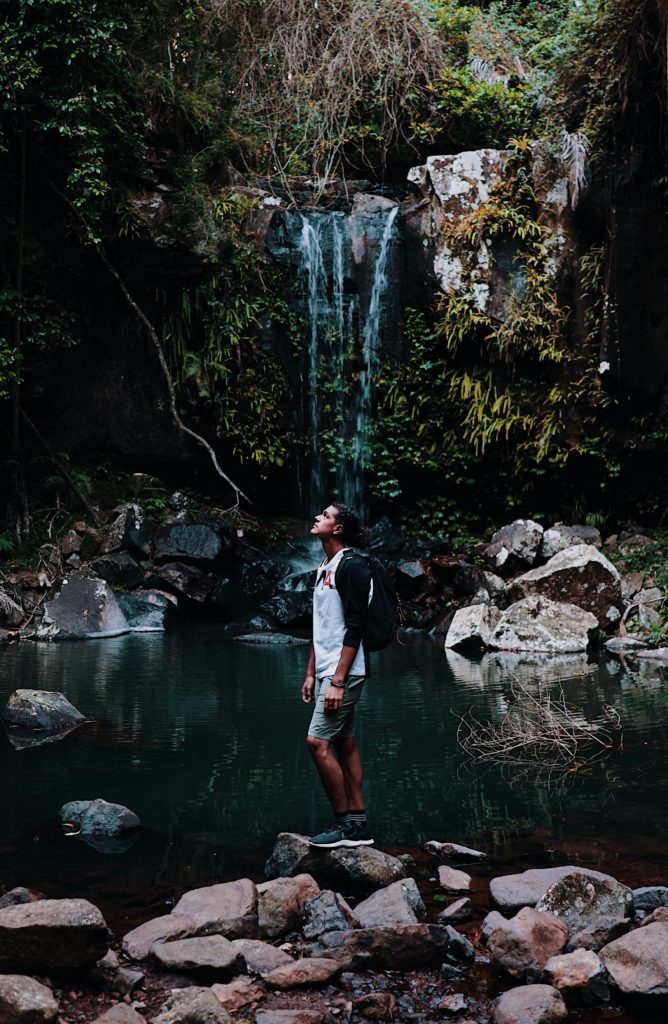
<point>537,624</point>
<point>595,910</point>
<point>41,710</point>
<point>638,962</point>
<point>531,1004</point>
<point>128,530</point>
<point>119,568</point>
<point>281,904</point>
<point>148,611</point>
<point>362,868</point>
<point>25,1001</point>
<point>228,908</point>
<point>84,609</point>
<point>472,626</point>
<point>511,892</point>
<point>395,947</point>
<point>524,944</point>
<point>559,537</point>
<point>51,935</point>
<point>98,818</point>
<point>191,542</point>
<point>514,546</point>
<point>579,575</point>
<point>186,581</point>
<point>398,903</point>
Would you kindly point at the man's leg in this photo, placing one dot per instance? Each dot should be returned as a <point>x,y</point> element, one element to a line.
<point>351,769</point>
<point>330,772</point>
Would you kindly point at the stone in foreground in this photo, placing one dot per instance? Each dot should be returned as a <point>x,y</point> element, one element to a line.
<point>137,943</point>
<point>472,627</point>
<point>261,957</point>
<point>579,575</point>
<point>192,1005</point>
<point>453,880</point>
<point>539,625</point>
<point>579,976</point>
<point>390,948</point>
<point>281,902</point>
<point>51,935</point>
<point>25,1001</point>
<point>531,1004</point>
<point>523,945</point>
<point>511,892</point>
<point>98,818</point>
<point>241,993</point>
<point>121,1013</point>
<point>328,912</point>
<point>638,962</point>
<point>595,910</point>
<point>362,867</point>
<point>398,903</point>
<point>228,908</point>
<point>43,710</point>
<point>304,973</point>
<point>207,956</point>
<point>84,609</point>
<point>515,545</point>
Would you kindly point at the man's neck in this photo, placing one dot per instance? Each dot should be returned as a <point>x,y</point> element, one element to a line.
<point>332,546</point>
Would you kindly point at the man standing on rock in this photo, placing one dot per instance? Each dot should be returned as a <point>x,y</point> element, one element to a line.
<point>337,668</point>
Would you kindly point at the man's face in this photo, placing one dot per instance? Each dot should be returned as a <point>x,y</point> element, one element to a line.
<point>325,524</point>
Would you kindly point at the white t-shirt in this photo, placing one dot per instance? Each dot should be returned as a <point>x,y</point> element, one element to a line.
<point>329,625</point>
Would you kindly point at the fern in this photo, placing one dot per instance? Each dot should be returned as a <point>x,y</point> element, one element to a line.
<point>575,149</point>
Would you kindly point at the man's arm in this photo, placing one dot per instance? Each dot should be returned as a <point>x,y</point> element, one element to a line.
<point>309,679</point>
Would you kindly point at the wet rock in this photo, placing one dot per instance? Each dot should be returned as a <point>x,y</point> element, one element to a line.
<point>121,1013</point>
<point>638,962</point>
<point>97,817</point>
<point>453,880</point>
<point>390,948</point>
<point>524,944</point>
<point>453,851</point>
<point>531,1004</point>
<point>510,892</point>
<point>192,1006</point>
<point>185,580</point>
<point>138,942</point>
<point>281,904</point>
<point>51,935</point>
<point>148,611</point>
<point>649,897</point>
<point>559,537</point>
<point>129,530</point>
<point>42,710</point>
<point>360,867</point>
<point>579,976</point>
<point>289,1017</point>
<point>514,546</point>
<point>327,912</point>
<point>460,910</point>
<point>238,994</point>
<point>261,957</point>
<point>191,542</point>
<point>303,974</point>
<point>537,624</point>
<point>659,655</point>
<point>472,626</point>
<point>377,1006</point>
<point>84,609</point>
<point>595,910</point>
<point>398,903</point>
<point>25,1001</point>
<point>229,909</point>
<point>624,644</point>
<point>207,956</point>
<point>581,576</point>
<point>457,948</point>
<point>270,639</point>
<point>15,897</point>
<point>119,568</point>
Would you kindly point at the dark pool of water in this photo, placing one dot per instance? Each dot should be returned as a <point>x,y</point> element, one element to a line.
<point>204,738</point>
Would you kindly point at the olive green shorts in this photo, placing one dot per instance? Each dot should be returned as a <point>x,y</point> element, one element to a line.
<point>330,725</point>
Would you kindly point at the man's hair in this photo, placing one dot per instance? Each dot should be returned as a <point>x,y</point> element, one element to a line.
<point>353,531</point>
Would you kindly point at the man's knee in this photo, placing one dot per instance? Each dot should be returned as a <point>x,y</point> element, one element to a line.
<point>317,747</point>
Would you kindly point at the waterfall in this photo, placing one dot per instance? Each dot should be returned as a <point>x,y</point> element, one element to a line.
<point>344,340</point>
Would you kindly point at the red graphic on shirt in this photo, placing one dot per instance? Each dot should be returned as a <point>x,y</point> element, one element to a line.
<point>327,582</point>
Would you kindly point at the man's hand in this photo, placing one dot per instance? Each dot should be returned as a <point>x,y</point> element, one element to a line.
<point>333,697</point>
<point>307,689</point>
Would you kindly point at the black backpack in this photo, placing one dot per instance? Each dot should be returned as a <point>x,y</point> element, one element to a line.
<point>384,610</point>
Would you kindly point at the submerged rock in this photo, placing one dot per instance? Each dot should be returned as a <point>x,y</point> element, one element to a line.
<point>84,609</point>
<point>537,624</point>
<point>579,575</point>
<point>98,818</point>
<point>361,867</point>
<point>51,935</point>
<point>41,710</point>
<point>270,639</point>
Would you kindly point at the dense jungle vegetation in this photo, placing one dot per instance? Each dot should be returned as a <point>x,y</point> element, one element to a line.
<point>107,104</point>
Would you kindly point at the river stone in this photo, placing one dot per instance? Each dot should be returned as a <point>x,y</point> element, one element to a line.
<point>649,897</point>
<point>137,943</point>
<point>541,625</point>
<point>377,1006</point>
<point>530,1004</point>
<point>228,908</point>
<point>121,1013</point>
<point>327,912</point>
<point>185,580</point>
<point>303,973</point>
<point>398,903</point>
<point>98,818</point>
<point>524,944</point>
<point>18,895</point>
<point>148,611</point>
<point>638,962</point>
<point>84,609</point>
<point>579,976</point>
<point>361,867</point>
<point>261,957</point>
<point>51,935</point>
<point>460,910</point>
<point>270,639</point>
<point>238,994</point>
<point>289,1017</point>
<point>25,1001</point>
<point>395,947</point>
<point>510,892</point>
<point>11,613</point>
<point>453,880</point>
<point>206,956</point>
<point>119,568</point>
<point>514,545</point>
<point>559,537</point>
<point>472,626</point>
<point>453,851</point>
<point>45,710</point>
<point>581,576</point>
<point>190,542</point>
<point>280,905</point>
<point>595,910</point>
<point>624,644</point>
<point>192,1006</point>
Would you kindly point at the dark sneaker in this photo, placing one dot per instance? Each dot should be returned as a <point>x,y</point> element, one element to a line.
<point>357,835</point>
<point>337,835</point>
